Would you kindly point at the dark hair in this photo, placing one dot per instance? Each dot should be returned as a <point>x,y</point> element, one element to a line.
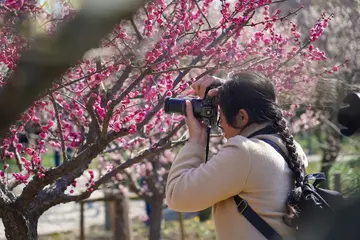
<point>256,94</point>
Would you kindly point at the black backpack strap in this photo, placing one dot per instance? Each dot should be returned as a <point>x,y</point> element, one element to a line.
<point>263,227</point>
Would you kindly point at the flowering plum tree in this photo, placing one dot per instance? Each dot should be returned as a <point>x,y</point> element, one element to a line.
<point>112,99</point>
<point>253,38</point>
<point>340,42</point>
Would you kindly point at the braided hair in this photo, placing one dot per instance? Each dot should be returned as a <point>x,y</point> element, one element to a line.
<point>256,94</point>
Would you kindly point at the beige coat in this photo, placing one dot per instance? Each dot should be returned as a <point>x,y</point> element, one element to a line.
<point>248,167</point>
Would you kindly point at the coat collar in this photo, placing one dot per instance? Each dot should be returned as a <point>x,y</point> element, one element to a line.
<point>252,128</point>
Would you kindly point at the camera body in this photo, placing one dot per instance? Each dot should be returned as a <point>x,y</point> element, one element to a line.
<point>206,110</point>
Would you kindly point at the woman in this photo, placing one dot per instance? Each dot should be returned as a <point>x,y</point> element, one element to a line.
<point>248,167</point>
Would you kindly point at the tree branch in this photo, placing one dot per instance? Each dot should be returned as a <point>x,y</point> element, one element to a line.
<point>119,83</point>
<point>288,60</point>
<point>63,147</point>
<point>6,197</point>
<point>138,34</point>
<point>161,145</point>
<point>114,90</point>
<point>198,7</point>
<point>17,157</point>
<point>148,153</point>
<point>185,68</point>
<point>135,187</point>
<point>280,18</point>
<point>161,141</point>
<point>70,83</point>
<point>67,171</point>
<point>225,35</point>
<point>49,57</point>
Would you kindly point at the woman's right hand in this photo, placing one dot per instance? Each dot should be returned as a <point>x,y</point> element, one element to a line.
<point>201,85</point>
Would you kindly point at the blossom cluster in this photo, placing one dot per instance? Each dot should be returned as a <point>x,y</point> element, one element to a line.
<point>159,53</point>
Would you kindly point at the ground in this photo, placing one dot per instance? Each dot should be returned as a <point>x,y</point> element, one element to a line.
<point>194,229</point>
<point>63,221</point>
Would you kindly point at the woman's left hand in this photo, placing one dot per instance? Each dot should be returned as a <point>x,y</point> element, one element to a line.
<point>197,130</point>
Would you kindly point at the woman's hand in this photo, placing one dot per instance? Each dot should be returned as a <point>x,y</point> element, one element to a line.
<point>197,130</point>
<point>201,85</point>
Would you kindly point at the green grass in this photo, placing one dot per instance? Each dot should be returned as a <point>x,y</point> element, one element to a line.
<point>347,145</point>
<point>47,161</point>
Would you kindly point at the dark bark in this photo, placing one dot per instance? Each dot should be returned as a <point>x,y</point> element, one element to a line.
<point>122,223</point>
<point>330,153</point>
<point>19,226</point>
<point>325,169</point>
<point>155,219</point>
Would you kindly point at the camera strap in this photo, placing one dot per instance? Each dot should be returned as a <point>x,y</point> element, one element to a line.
<point>207,143</point>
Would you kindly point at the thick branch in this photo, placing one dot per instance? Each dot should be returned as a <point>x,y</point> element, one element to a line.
<point>69,170</point>
<point>95,127</point>
<point>161,145</point>
<point>6,197</point>
<point>148,153</point>
<point>119,83</point>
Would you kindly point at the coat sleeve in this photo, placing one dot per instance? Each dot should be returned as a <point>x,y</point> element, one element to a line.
<point>193,185</point>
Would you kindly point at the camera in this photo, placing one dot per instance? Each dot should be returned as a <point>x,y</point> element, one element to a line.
<point>206,110</point>
<point>349,115</point>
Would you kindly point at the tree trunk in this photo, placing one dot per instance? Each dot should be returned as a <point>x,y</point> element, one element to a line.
<point>19,226</point>
<point>122,223</point>
<point>333,140</point>
<point>155,219</point>
<point>325,169</point>
<point>107,205</point>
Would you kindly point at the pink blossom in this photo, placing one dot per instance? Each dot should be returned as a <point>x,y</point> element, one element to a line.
<point>35,159</point>
<point>30,151</point>
<point>16,4</point>
<point>42,135</point>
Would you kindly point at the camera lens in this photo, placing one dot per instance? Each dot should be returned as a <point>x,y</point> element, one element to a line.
<point>175,105</point>
<point>178,105</point>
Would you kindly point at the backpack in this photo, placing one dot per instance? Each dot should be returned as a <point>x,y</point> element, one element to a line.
<point>317,206</point>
